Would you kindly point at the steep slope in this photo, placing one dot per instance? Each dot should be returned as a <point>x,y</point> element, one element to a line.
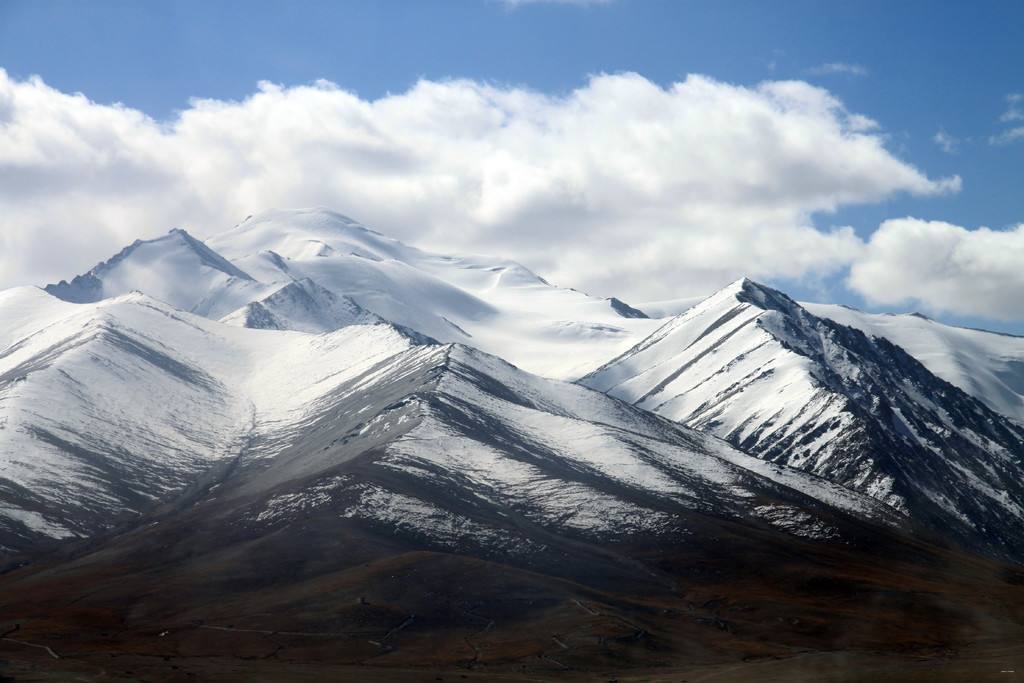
<point>987,365</point>
<point>402,504</point>
<point>751,366</point>
<point>176,268</point>
<point>110,408</point>
<point>104,409</point>
<point>303,306</point>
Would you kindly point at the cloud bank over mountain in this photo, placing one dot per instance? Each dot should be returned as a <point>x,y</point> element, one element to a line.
<point>946,268</point>
<point>620,186</point>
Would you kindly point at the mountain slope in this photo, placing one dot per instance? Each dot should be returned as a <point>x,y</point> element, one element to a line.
<point>494,304</point>
<point>176,268</point>
<point>395,502</point>
<point>303,306</point>
<point>151,398</point>
<point>987,365</point>
<point>108,408</point>
<point>101,412</point>
<point>751,366</point>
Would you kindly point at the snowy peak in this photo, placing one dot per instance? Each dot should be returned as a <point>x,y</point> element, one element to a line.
<point>303,306</point>
<point>764,297</point>
<point>175,268</point>
<point>747,291</point>
<point>125,403</point>
<point>306,233</point>
<point>207,256</point>
<point>176,245</point>
<point>494,304</point>
<point>752,366</point>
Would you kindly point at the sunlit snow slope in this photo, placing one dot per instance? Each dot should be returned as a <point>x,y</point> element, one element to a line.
<point>176,268</point>
<point>750,365</point>
<point>109,408</point>
<point>493,304</point>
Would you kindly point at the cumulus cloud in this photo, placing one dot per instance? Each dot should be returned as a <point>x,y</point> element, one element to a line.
<point>621,187</point>
<point>944,267</point>
<point>831,68</point>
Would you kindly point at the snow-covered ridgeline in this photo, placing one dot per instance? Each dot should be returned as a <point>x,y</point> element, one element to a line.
<point>106,407</point>
<point>316,270</point>
<point>150,397</point>
<point>750,365</point>
<point>987,365</point>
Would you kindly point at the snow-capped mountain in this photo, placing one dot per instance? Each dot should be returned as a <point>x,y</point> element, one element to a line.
<point>292,445</point>
<point>111,408</point>
<point>987,365</point>
<point>493,304</point>
<point>103,411</point>
<point>397,502</point>
<point>750,365</point>
<point>277,291</point>
<point>177,269</point>
<point>303,306</point>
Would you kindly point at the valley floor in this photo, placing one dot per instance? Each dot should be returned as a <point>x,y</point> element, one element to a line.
<point>744,612</point>
<point>994,662</point>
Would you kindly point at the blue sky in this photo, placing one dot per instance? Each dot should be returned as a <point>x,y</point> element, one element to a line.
<point>917,68</point>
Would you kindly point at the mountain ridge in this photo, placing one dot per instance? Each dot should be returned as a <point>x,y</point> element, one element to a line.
<point>273,476</point>
<point>751,365</point>
<point>254,391</point>
<point>492,303</point>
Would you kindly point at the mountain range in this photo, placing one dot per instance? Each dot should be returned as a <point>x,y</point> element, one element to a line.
<point>310,434</point>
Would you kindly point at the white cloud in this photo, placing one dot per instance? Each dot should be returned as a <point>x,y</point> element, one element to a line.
<point>944,267</point>
<point>831,68</point>
<point>1008,136</point>
<point>621,186</point>
<point>1014,113</point>
<point>945,141</point>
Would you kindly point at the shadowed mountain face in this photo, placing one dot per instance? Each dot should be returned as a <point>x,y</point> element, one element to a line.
<point>987,365</point>
<point>303,306</point>
<point>154,400</point>
<point>751,366</point>
<point>433,507</point>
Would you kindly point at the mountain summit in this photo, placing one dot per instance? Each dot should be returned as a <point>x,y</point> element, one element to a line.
<point>752,366</point>
<point>491,303</point>
<point>176,268</point>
